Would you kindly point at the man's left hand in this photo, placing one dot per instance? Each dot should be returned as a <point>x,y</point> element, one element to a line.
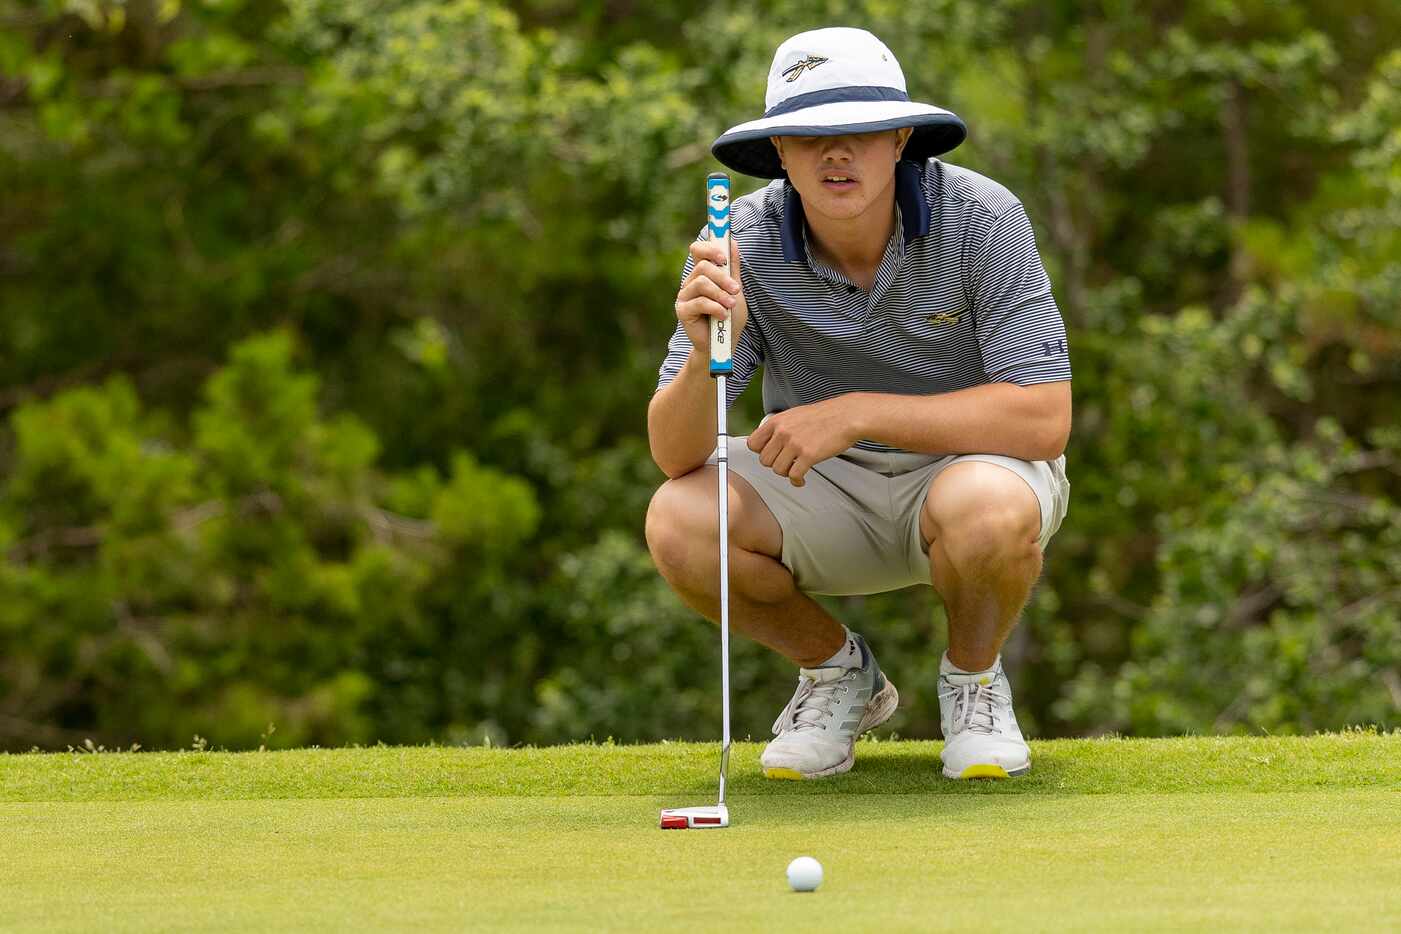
<point>790,442</point>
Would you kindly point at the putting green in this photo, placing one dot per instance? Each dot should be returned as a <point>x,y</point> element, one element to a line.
<point>1105,835</point>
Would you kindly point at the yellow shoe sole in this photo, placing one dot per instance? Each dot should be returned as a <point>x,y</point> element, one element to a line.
<point>792,775</point>
<point>984,771</point>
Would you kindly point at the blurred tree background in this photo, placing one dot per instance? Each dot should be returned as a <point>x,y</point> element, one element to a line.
<point>327,330</point>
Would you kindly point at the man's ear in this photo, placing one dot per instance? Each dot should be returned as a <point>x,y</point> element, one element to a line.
<point>778,145</point>
<point>905,133</point>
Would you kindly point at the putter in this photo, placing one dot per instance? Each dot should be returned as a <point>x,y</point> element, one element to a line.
<point>717,205</point>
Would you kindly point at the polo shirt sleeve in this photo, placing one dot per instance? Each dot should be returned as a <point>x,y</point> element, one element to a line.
<point>1020,331</point>
<point>746,357</point>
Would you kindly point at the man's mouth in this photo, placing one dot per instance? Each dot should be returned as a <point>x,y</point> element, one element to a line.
<point>838,181</point>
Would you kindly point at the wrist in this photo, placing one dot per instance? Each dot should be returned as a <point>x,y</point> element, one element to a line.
<point>858,414</point>
<point>697,362</point>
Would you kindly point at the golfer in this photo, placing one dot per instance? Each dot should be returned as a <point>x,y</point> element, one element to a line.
<point>917,390</point>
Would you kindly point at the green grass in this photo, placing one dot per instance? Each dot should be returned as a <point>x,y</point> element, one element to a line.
<point>1189,834</point>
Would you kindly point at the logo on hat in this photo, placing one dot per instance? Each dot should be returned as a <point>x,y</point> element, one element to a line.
<point>793,71</point>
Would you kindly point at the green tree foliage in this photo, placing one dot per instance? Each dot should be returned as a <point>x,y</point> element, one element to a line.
<point>159,588</point>
<point>327,330</point>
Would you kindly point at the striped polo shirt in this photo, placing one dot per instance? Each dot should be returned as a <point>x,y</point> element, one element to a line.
<point>960,299</point>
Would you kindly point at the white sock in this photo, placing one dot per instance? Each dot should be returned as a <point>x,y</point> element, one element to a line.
<point>848,656</point>
<point>947,667</point>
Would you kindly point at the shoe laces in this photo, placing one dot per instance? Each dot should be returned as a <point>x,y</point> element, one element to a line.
<point>974,707</point>
<point>810,706</point>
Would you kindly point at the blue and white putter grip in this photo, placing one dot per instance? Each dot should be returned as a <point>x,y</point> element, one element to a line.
<point>717,207</point>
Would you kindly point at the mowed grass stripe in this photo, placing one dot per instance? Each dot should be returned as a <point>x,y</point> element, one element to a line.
<point>1240,861</point>
<point>684,770</point>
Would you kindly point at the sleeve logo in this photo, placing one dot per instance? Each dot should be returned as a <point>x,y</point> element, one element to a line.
<point>1053,348</point>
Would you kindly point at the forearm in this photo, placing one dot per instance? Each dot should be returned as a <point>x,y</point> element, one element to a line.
<point>1026,422</point>
<point>681,419</point>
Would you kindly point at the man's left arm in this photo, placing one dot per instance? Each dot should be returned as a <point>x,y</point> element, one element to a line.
<point>1028,422</point>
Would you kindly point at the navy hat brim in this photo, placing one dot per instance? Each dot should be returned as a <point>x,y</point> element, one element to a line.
<point>748,150</point>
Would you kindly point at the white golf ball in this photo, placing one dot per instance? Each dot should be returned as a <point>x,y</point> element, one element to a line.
<point>804,874</point>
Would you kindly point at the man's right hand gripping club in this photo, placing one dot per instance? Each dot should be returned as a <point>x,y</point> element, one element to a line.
<point>711,289</point>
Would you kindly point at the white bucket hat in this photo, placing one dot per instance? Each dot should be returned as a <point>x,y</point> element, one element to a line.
<point>830,82</point>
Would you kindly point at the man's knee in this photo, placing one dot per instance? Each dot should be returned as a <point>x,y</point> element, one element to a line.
<point>675,519</point>
<point>683,517</point>
<point>998,534</point>
<point>983,513</point>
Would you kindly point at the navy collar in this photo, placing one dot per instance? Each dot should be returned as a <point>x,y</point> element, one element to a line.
<point>909,195</point>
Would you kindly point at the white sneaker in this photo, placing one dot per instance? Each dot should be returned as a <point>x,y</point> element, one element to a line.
<point>981,736</point>
<point>816,733</point>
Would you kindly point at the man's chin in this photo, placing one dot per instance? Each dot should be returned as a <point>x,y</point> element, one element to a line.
<point>836,207</point>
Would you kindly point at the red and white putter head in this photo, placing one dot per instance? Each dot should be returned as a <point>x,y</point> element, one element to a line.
<point>703,818</point>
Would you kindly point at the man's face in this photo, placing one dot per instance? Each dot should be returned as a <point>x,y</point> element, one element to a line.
<point>841,176</point>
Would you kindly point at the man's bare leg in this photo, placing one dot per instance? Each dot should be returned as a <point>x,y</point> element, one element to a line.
<point>815,735</point>
<point>982,522</point>
<point>765,603</point>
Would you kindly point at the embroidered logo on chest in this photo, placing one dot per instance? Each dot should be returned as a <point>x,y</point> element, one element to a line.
<point>943,319</point>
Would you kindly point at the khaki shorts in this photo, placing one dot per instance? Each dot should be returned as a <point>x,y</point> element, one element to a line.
<point>853,527</point>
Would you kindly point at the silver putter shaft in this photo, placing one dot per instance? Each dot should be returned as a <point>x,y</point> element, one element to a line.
<point>722,444</point>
